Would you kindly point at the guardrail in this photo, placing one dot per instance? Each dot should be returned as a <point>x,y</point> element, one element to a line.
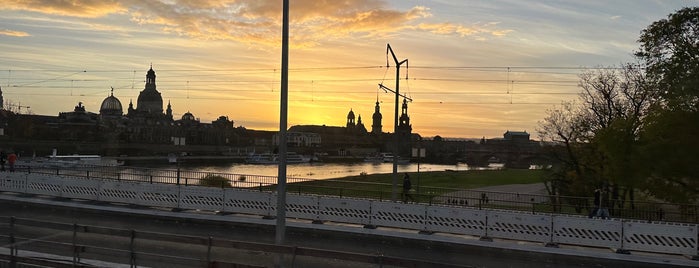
<point>623,235</point>
<point>648,211</point>
<point>83,244</point>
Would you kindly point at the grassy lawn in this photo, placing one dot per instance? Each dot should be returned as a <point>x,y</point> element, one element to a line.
<point>458,179</point>
<point>431,183</point>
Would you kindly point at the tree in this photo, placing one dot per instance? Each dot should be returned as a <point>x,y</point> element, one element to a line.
<point>670,51</point>
<point>598,134</point>
<point>634,128</point>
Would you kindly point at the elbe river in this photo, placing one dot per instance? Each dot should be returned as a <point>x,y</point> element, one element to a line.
<point>327,170</point>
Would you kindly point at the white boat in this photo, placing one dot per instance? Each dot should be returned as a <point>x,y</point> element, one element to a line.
<point>384,158</point>
<point>267,158</point>
<point>261,159</point>
<point>74,160</point>
<point>374,158</point>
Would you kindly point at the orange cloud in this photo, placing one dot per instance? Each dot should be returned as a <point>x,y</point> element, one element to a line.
<point>258,21</point>
<point>77,8</point>
<point>14,33</point>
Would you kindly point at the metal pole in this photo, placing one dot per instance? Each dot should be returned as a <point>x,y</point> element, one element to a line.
<point>394,189</point>
<point>281,178</point>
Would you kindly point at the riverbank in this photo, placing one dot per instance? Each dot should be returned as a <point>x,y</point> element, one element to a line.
<point>466,179</point>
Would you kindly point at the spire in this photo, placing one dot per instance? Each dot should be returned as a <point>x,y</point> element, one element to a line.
<point>404,118</point>
<point>376,118</point>
<point>168,111</point>
<point>150,78</point>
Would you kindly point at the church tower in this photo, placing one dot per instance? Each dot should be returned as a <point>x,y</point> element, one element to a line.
<point>404,131</point>
<point>168,111</point>
<point>2,100</point>
<point>404,120</point>
<point>149,100</point>
<point>376,124</point>
<point>350,120</point>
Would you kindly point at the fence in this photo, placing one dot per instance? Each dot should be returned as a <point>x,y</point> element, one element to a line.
<point>74,245</point>
<point>648,211</point>
<point>625,235</point>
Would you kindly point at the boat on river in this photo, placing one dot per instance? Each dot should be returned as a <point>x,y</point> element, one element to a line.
<point>384,158</point>
<point>267,158</point>
<point>73,160</point>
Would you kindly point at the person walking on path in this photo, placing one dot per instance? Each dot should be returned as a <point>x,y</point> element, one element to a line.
<point>603,211</point>
<point>11,159</point>
<point>3,157</point>
<point>407,186</point>
<point>601,204</point>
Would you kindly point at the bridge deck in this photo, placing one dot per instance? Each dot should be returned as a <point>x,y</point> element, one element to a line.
<point>454,249</point>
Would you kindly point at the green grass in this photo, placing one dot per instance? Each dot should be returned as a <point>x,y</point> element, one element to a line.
<point>458,179</point>
<point>431,183</point>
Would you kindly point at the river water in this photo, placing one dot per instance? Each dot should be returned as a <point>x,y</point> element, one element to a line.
<point>329,170</point>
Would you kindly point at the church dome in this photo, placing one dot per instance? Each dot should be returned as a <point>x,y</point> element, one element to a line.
<point>149,100</point>
<point>350,115</point>
<point>188,117</point>
<point>111,106</point>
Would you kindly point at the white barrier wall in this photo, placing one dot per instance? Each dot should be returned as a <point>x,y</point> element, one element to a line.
<point>201,197</point>
<point>347,210</point>
<point>456,220</point>
<point>587,232</point>
<point>544,228</point>
<point>247,202</point>
<point>674,239</point>
<point>519,226</point>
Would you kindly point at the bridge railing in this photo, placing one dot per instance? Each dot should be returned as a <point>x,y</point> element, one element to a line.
<point>546,228</point>
<point>77,245</point>
<point>571,205</point>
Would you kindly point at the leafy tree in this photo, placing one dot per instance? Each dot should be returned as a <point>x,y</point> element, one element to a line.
<point>632,128</point>
<point>598,134</point>
<point>670,50</point>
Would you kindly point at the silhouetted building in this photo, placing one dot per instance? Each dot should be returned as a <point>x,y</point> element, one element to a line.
<point>517,136</point>
<point>350,121</point>
<point>376,122</point>
<point>404,132</point>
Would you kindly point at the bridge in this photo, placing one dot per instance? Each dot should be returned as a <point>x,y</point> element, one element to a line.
<point>347,222</point>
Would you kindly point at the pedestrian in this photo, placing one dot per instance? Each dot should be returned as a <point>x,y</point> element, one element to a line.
<point>603,211</point>
<point>407,186</point>
<point>11,159</point>
<point>3,157</point>
<point>596,203</point>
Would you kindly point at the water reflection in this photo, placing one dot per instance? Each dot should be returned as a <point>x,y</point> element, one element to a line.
<point>328,170</point>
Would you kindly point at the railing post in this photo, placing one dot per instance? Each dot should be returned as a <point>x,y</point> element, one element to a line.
<point>132,260</point>
<point>13,247</point>
<point>208,253</point>
<point>75,247</point>
<point>178,175</point>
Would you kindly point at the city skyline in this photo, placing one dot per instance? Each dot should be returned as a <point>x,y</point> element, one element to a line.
<point>475,68</point>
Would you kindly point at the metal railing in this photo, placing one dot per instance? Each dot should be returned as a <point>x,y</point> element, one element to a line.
<point>80,245</point>
<point>569,205</point>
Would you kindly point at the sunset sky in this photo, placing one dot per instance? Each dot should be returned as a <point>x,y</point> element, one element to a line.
<point>475,68</point>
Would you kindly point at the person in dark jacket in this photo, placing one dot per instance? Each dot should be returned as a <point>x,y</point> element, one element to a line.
<point>407,186</point>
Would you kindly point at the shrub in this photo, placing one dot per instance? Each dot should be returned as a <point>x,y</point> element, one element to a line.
<point>214,181</point>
